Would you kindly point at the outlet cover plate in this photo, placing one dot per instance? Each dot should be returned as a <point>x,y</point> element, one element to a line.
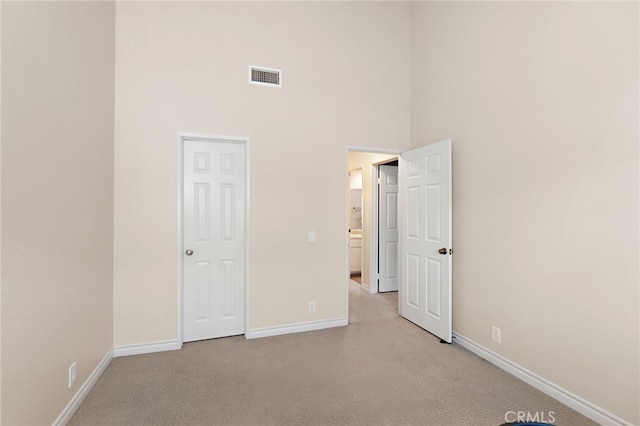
<point>495,334</point>
<point>72,374</point>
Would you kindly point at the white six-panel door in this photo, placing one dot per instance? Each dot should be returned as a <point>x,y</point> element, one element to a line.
<point>425,238</point>
<point>388,229</point>
<point>213,239</point>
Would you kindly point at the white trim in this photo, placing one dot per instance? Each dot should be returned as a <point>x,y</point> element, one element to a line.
<point>374,279</point>
<point>347,222</point>
<point>247,233</point>
<point>571,400</point>
<point>146,348</point>
<point>181,137</point>
<point>180,248</point>
<point>373,150</point>
<point>295,328</point>
<point>82,393</point>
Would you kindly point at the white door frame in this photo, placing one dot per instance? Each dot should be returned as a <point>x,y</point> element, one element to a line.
<point>180,249</point>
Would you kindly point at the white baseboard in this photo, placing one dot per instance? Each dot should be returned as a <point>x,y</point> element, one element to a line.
<point>295,328</point>
<point>82,393</point>
<point>146,348</point>
<point>571,400</point>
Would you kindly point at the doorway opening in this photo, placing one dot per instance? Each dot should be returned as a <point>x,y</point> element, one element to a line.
<point>420,248</point>
<point>365,168</point>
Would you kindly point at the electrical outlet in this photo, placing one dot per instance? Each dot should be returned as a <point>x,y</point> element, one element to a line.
<point>72,374</point>
<point>312,307</point>
<point>495,334</point>
<point>311,236</point>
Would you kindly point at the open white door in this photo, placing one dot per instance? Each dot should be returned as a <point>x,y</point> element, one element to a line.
<point>425,238</point>
<point>388,228</point>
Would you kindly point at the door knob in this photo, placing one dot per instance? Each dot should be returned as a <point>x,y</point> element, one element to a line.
<point>189,252</point>
<point>442,251</point>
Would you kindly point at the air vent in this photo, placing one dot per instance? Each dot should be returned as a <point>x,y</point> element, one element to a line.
<point>265,76</point>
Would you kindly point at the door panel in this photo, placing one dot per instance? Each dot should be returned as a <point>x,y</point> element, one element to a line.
<point>434,268</point>
<point>214,229</point>
<point>425,205</point>
<point>412,281</point>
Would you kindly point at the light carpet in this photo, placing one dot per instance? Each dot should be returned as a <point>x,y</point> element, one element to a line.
<point>379,370</point>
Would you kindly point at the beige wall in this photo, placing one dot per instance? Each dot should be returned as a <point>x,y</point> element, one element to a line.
<point>541,100</point>
<point>182,67</point>
<point>57,210</point>
<point>1,213</point>
<point>366,160</point>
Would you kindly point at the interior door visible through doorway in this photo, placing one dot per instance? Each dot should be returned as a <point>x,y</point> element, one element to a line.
<point>388,227</point>
<point>214,253</point>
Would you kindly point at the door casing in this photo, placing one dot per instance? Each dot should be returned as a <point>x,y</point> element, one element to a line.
<point>181,138</point>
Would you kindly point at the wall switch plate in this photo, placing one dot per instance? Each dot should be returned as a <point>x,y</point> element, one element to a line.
<point>495,334</point>
<point>312,236</point>
<point>312,307</point>
<point>72,374</point>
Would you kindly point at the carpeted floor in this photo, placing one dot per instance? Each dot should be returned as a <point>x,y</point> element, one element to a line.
<point>380,370</point>
<point>365,307</point>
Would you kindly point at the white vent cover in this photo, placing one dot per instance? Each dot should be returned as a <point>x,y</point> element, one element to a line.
<point>265,76</point>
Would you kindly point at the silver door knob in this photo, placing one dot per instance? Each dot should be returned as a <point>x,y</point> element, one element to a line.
<point>189,252</point>
<point>442,251</point>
